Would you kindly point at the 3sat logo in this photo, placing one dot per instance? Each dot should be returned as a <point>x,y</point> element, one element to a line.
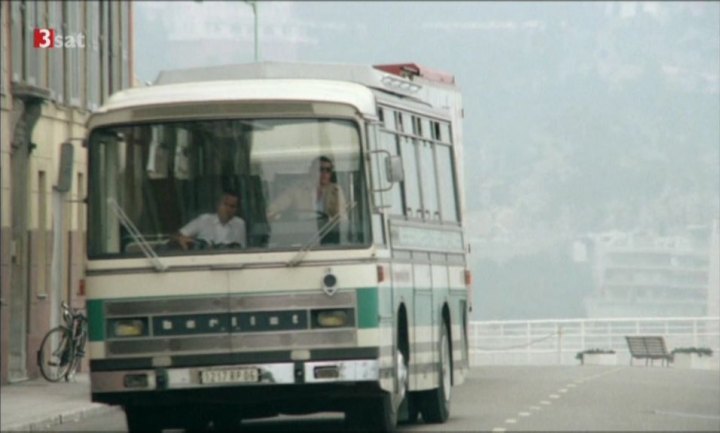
<point>47,38</point>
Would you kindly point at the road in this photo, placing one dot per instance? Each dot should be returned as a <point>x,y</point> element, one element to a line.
<point>571,398</point>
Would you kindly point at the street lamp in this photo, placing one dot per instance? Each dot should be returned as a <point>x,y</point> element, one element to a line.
<point>253,4</point>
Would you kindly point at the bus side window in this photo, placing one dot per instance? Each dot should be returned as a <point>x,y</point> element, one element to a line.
<point>448,202</point>
<point>444,132</point>
<point>399,122</point>
<point>410,184</point>
<point>389,118</point>
<point>429,182</point>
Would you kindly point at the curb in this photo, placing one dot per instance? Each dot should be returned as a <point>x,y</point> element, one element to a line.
<point>44,423</point>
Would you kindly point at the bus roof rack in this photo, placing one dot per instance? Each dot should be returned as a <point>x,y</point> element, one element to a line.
<point>410,70</point>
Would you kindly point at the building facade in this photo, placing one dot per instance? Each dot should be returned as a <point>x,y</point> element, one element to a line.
<point>645,275</point>
<point>60,61</point>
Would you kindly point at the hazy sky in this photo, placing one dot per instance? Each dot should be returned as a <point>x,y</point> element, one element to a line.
<point>579,116</point>
<point>541,81</point>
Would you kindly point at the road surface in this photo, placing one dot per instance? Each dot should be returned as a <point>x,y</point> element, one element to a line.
<point>515,398</point>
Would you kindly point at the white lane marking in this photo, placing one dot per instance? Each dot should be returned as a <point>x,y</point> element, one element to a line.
<point>555,396</point>
<point>604,373</point>
<point>687,415</point>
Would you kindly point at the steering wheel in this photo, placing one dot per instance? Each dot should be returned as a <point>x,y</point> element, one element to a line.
<point>200,244</point>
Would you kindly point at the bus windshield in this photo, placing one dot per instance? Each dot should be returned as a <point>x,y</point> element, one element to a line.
<point>212,186</point>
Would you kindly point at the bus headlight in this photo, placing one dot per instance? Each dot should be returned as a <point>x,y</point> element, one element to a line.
<point>128,327</point>
<point>336,318</point>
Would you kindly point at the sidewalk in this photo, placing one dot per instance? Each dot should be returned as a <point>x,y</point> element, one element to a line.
<point>38,404</point>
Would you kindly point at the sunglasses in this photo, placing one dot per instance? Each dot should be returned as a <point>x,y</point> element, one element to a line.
<point>326,169</point>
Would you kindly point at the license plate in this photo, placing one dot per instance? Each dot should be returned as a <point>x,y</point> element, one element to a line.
<point>234,375</point>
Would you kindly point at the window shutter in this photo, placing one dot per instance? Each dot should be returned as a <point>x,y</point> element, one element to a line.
<point>17,40</point>
<point>56,58</point>
<point>94,80</point>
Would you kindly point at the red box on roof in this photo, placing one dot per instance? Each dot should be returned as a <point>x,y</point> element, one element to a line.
<point>412,69</point>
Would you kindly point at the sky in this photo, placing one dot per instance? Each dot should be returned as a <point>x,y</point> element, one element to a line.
<point>579,116</point>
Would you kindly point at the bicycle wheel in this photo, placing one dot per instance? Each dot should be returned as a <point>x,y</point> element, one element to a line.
<point>77,353</point>
<point>54,356</point>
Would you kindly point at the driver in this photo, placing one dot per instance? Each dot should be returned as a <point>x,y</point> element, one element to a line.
<point>216,229</point>
<point>317,193</point>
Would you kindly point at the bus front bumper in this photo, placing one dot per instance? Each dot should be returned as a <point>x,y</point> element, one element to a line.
<point>286,373</point>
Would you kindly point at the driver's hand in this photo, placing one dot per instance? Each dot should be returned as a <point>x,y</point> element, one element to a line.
<point>185,242</point>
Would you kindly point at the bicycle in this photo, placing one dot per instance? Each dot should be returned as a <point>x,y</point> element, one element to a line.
<point>63,347</point>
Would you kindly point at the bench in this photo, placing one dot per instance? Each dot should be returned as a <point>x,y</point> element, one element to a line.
<point>648,347</point>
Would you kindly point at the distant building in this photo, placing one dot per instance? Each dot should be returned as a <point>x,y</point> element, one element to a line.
<point>60,61</point>
<point>644,275</point>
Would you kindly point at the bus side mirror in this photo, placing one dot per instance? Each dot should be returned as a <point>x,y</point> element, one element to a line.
<point>394,169</point>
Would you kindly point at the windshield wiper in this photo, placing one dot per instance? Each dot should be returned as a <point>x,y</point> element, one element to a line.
<point>315,239</point>
<point>146,248</point>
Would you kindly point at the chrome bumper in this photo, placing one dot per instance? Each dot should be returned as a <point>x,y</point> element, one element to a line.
<point>270,374</point>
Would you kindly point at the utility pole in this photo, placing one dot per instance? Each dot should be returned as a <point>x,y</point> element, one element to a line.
<point>253,4</point>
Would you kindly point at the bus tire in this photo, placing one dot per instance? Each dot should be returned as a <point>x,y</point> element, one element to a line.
<point>408,411</point>
<point>142,419</point>
<point>435,403</point>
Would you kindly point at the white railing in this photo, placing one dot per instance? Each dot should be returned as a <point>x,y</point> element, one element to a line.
<point>547,342</point>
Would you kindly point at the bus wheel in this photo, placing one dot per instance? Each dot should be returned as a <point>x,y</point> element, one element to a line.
<point>435,404</point>
<point>142,419</point>
<point>408,411</point>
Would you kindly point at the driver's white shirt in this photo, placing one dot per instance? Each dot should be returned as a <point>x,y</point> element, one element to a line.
<point>209,228</point>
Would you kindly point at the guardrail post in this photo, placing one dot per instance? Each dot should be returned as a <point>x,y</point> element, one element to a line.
<point>476,340</point>
<point>559,344</point>
<point>527,342</point>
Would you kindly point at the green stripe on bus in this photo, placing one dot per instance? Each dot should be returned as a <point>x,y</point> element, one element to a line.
<point>367,301</point>
<point>96,320</point>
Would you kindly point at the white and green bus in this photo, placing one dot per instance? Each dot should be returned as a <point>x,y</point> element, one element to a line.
<point>363,312</point>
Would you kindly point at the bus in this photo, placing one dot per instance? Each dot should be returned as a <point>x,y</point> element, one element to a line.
<point>362,310</point>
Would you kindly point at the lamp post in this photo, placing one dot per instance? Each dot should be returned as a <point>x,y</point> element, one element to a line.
<point>253,4</point>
